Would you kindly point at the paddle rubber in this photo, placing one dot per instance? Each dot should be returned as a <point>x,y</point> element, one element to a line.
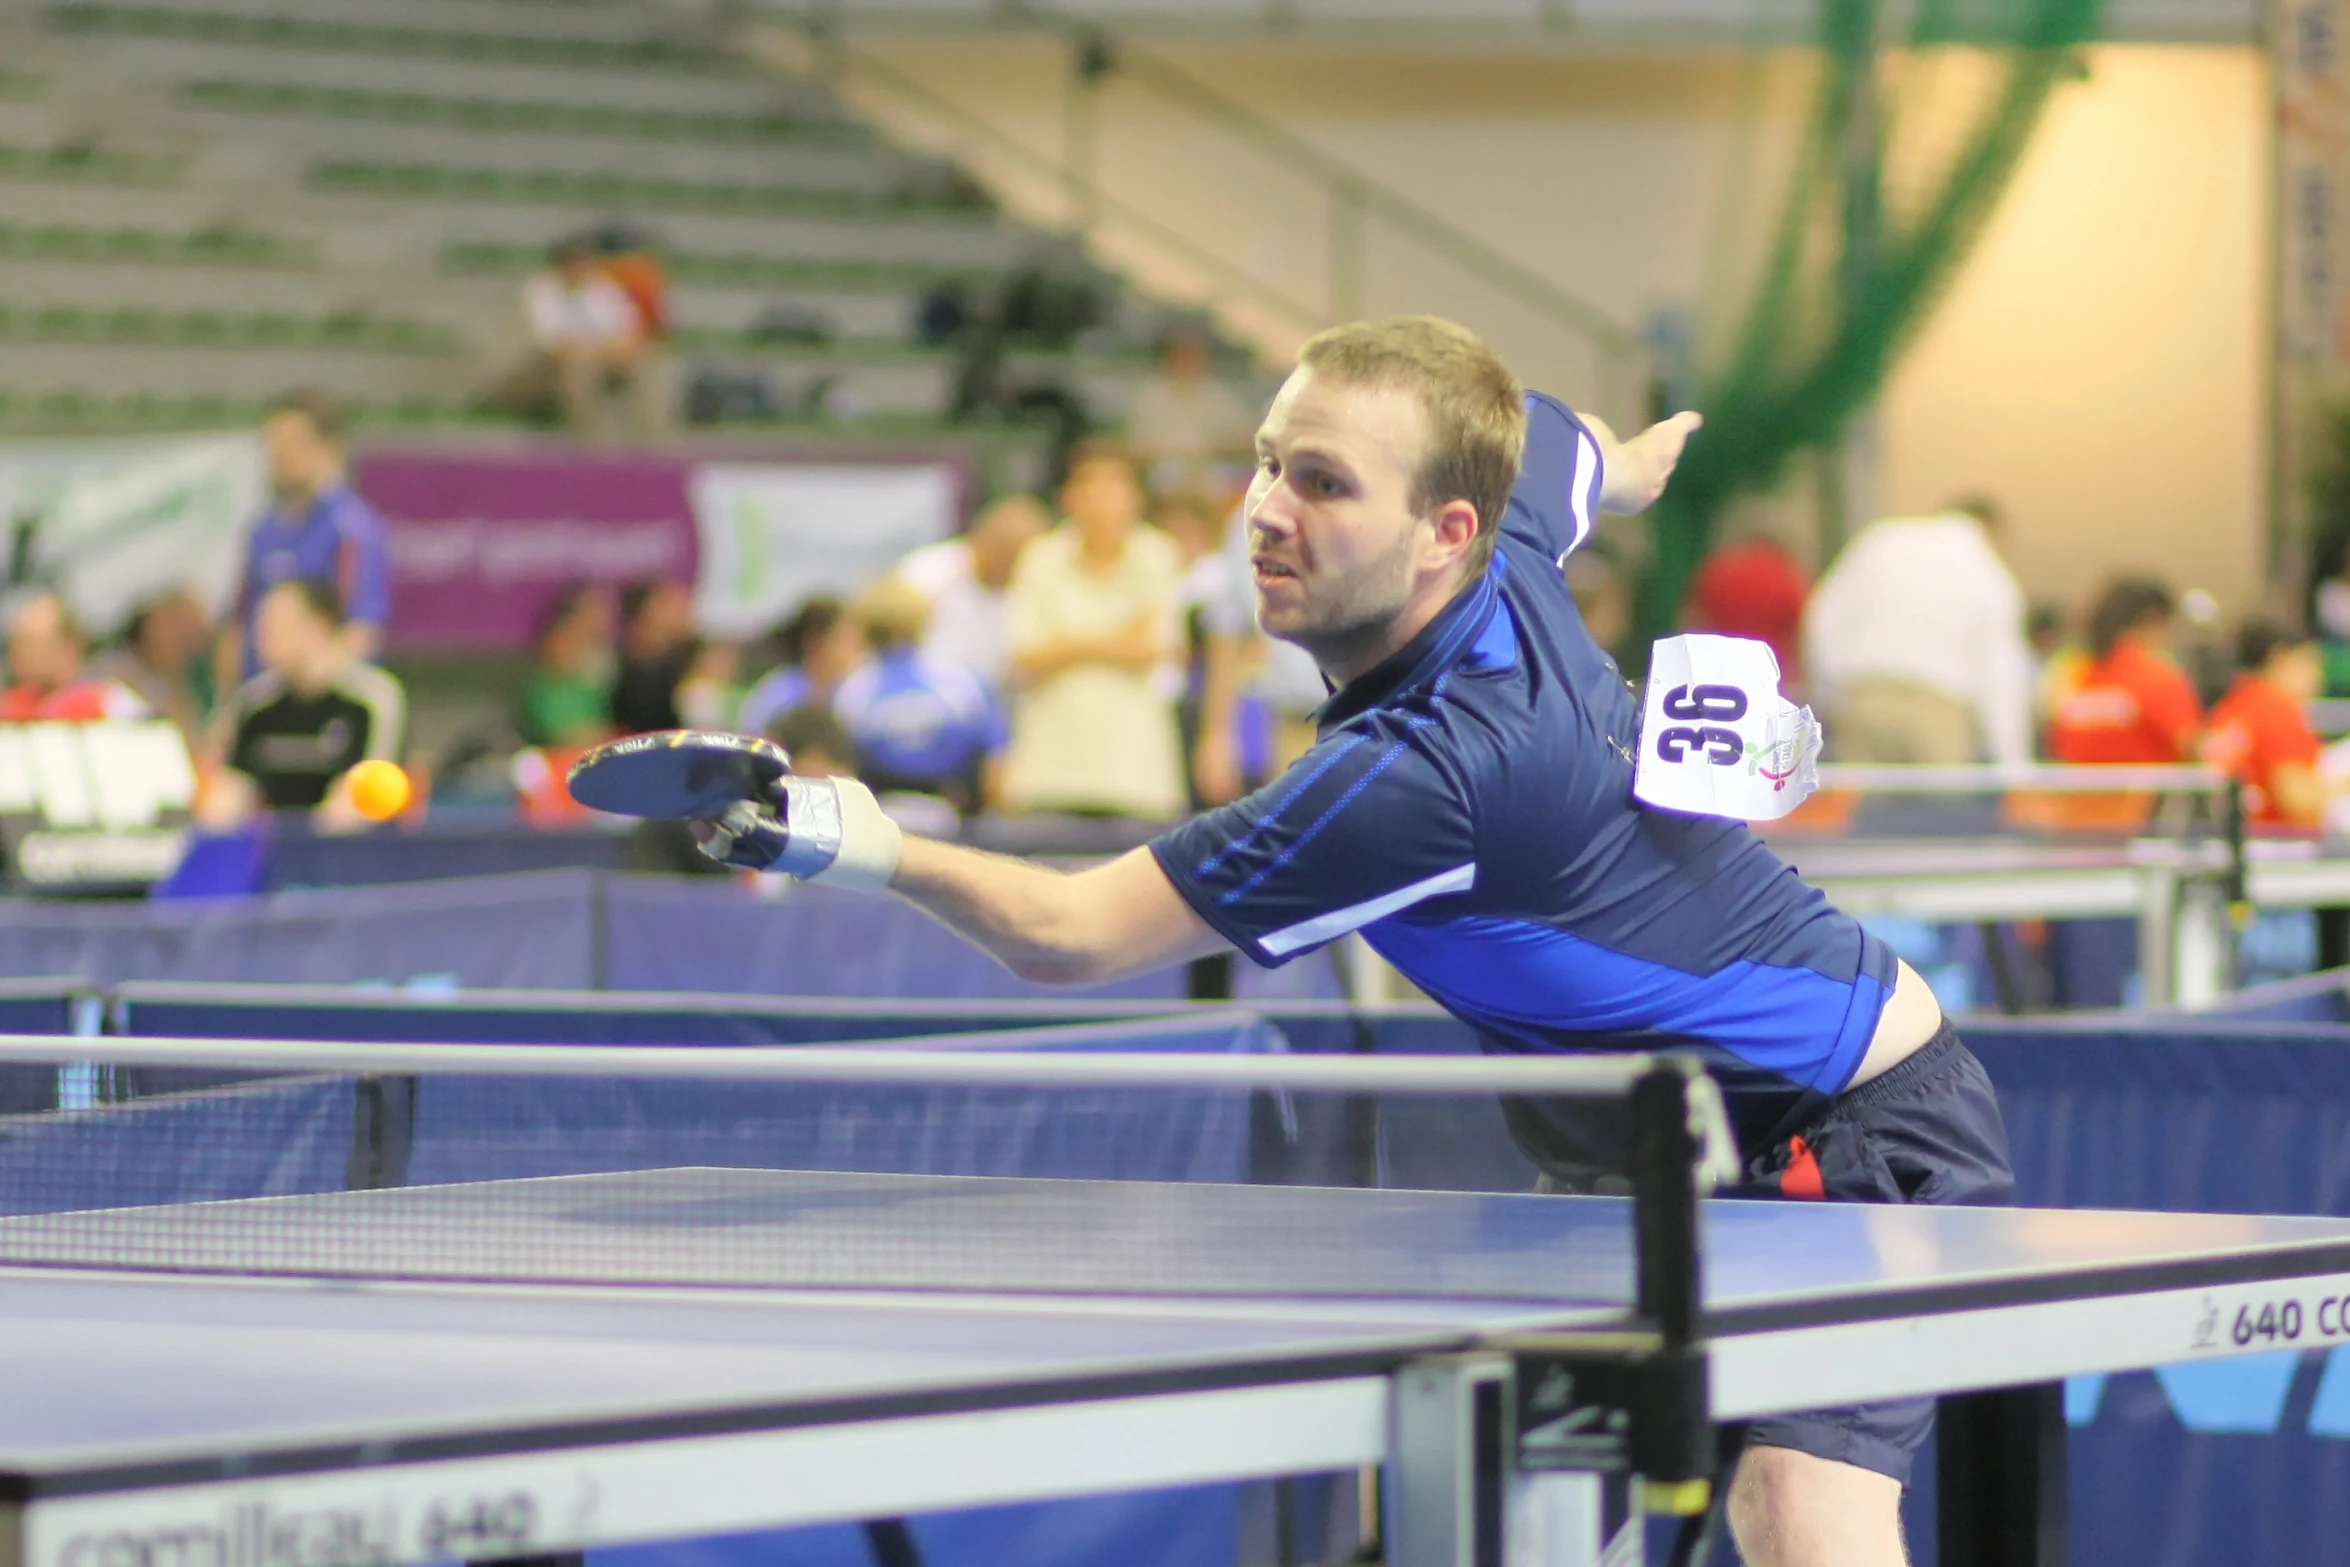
<point>677,772</point>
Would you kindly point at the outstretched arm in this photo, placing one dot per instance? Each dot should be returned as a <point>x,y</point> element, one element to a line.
<point>1049,926</point>
<point>1636,470</point>
<point>1053,927</point>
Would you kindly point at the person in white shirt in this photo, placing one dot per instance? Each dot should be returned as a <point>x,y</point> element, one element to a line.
<point>586,340</point>
<point>963,581</point>
<point>1184,422</point>
<point>1914,644</point>
<point>1094,620</point>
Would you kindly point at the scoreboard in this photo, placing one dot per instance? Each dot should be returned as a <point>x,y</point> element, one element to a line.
<point>101,806</point>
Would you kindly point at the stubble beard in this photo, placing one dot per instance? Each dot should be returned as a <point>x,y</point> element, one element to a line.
<point>1356,615</point>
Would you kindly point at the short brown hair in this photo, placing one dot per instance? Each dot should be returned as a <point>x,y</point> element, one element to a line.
<point>1100,448</point>
<point>324,411</point>
<point>1474,408</point>
<point>892,613</point>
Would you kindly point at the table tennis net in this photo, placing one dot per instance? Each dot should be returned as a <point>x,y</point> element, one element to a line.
<point>597,1180</point>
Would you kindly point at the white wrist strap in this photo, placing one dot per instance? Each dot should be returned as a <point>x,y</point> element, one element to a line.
<point>870,842</point>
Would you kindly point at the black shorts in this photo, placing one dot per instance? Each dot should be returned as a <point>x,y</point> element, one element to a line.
<point>1927,1131</point>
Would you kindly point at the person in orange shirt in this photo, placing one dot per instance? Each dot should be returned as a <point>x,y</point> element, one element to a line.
<point>47,659</point>
<point>2133,703</point>
<point>2260,732</point>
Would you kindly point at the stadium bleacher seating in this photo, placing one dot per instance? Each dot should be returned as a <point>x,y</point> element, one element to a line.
<point>210,200</point>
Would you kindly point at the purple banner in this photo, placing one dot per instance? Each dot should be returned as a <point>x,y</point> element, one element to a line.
<point>481,542</point>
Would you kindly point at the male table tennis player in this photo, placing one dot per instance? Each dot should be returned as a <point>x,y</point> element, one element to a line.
<point>1469,809</point>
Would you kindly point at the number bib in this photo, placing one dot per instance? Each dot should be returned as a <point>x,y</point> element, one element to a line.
<point>1717,738</point>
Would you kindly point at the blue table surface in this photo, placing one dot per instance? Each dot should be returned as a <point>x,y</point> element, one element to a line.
<point>110,1369</point>
<point>1129,1278</point>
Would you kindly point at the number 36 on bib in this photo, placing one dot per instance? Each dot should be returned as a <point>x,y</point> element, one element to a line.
<point>1716,736</point>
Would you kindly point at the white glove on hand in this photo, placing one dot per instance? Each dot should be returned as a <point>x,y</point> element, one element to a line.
<point>830,831</point>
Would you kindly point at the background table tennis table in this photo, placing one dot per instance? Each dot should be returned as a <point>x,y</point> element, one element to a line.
<point>870,1346</point>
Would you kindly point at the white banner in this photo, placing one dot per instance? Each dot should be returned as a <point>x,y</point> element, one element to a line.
<point>771,534</point>
<point>112,524</point>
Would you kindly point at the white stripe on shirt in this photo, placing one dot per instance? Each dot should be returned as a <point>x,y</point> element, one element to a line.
<point>1578,493</point>
<point>1326,927</point>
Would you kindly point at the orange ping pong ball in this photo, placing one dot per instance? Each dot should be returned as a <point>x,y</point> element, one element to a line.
<point>379,790</point>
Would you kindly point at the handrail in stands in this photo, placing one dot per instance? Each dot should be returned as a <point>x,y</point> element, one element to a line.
<point>1354,197</point>
<point>1101,203</point>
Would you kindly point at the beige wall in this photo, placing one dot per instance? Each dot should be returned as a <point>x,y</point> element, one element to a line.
<point>2097,365</point>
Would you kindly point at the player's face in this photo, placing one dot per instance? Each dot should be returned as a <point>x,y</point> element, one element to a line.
<point>1336,548</point>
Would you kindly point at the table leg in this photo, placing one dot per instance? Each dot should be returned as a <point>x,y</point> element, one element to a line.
<point>892,1543</point>
<point>2158,934</point>
<point>1452,1463</point>
<point>2333,938</point>
<point>2002,1478</point>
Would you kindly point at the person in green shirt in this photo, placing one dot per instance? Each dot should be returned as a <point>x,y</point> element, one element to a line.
<point>566,703</point>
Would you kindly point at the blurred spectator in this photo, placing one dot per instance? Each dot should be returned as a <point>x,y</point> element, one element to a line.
<point>1914,644</point>
<point>632,260</point>
<point>819,743</point>
<point>320,529</point>
<point>1596,583</point>
<point>921,724</point>
<point>2134,704</point>
<point>711,691</point>
<point>1184,421</point>
<point>2260,732</point>
<point>1751,587</point>
<point>657,647</point>
<point>821,645</point>
<point>964,580</point>
<point>1093,620</point>
<point>2203,649</point>
<point>162,659</point>
<point>312,713</point>
<point>2058,662</point>
<point>1195,522</point>
<point>2329,609</point>
<point>1207,711</point>
<point>586,341</point>
<point>567,701</point>
<point>47,673</point>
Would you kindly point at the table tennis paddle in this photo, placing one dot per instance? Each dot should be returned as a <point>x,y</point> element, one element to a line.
<point>677,772</point>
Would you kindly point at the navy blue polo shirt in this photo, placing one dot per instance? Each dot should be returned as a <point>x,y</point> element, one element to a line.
<point>1468,807</point>
<point>336,538</point>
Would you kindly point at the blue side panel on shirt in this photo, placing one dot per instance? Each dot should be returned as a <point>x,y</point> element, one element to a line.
<point>1521,979</point>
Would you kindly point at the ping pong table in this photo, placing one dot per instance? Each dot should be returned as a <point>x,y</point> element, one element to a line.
<point>376,1401</point>
<point>526,1369</point>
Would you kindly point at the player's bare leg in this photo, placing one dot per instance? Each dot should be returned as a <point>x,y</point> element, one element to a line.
<point>1789,1509</point>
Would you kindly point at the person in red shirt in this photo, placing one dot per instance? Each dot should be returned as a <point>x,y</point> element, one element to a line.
<point>2260,732</point>
<point>2133,704</point>
<point>1751,587</point>
<point>47,655</point>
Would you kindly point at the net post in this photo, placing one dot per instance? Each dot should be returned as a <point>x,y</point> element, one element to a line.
<point>1666,1146</point>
